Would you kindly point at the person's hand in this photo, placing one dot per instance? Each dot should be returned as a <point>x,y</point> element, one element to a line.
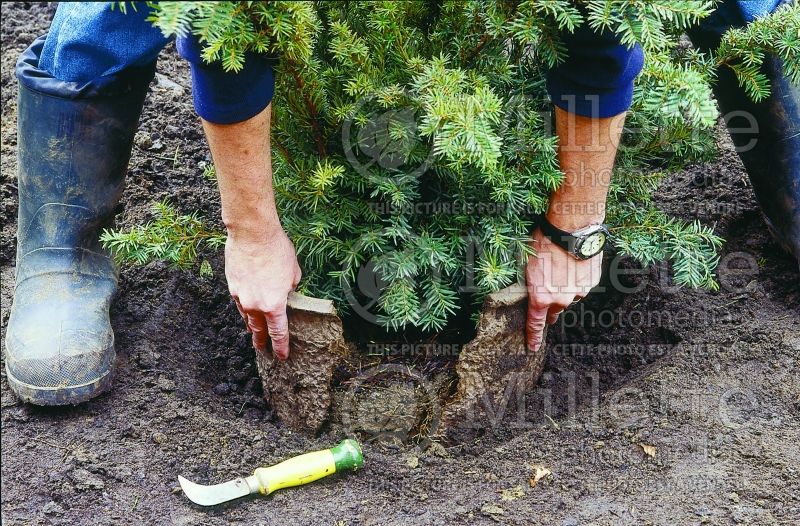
<point>261,272</point>
<point>555,280</point>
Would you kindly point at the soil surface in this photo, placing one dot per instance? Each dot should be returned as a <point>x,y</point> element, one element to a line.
<point>664,405</point>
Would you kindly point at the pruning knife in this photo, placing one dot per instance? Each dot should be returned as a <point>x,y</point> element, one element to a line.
<point>295,471</point>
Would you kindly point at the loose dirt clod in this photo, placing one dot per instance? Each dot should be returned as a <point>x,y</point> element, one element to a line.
<point>299,389</point>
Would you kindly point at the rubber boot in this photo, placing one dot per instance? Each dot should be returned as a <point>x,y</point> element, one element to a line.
<point>770,149</point>
<point>74,143</point>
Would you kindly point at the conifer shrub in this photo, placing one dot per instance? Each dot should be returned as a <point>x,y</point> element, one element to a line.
<point>413,145</point>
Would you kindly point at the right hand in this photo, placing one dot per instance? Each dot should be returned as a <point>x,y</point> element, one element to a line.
<point>261,272</point>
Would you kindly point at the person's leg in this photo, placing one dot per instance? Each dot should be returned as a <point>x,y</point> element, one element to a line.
<point>81,90</point>
<point>89,41</point>
<point>766,134</point>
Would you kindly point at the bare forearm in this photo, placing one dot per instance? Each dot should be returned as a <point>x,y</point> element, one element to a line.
<point>260,262</point>
<point>243,163</point>
<point>587,148</point>
<point>555,278</point>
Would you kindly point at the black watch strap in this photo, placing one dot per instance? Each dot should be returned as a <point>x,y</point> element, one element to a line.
<point>573,243</point>
<point>560,237</point>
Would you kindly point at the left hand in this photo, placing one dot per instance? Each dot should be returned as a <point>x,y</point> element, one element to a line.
<point>555,280</point>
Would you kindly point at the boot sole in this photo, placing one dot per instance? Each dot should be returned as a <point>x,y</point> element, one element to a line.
<point>55,396</point>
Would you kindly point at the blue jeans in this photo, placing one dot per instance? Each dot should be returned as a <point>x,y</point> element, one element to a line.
<point>91,41</point>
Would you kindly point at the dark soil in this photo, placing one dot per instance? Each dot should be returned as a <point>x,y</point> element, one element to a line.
<point>710,379</point>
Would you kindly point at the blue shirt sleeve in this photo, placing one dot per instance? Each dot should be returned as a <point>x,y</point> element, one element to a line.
<point>596,79</point>
<point>226,97</point>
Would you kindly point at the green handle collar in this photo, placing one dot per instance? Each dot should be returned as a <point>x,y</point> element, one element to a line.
<point>347,455</point>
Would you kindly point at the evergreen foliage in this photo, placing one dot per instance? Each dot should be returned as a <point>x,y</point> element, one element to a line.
<point>412,136</point>
<point>170,237</point>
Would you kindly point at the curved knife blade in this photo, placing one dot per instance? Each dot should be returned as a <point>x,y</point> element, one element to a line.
<point>218,493</point>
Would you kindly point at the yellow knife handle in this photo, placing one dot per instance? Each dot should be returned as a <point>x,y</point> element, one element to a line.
<point>309,467</point>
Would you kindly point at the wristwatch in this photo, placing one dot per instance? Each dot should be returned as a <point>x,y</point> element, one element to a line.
<point>581,244</point>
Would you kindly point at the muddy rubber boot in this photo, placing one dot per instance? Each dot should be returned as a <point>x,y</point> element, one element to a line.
<point>770,146</point>
<point>74,143</point>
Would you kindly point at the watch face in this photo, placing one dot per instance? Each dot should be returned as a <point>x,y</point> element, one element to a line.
<point>592,244</point>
